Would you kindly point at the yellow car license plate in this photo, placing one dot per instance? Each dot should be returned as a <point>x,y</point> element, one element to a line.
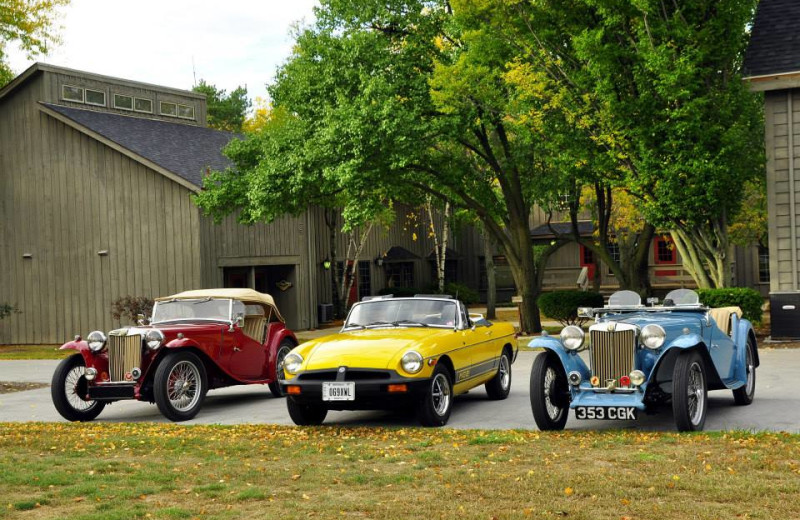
<point>339,391</point>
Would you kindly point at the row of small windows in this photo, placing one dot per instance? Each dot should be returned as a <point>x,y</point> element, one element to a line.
<point>124,102</point>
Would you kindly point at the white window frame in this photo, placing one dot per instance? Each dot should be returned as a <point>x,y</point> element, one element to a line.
<point>119,107</point>
<point>178,112</point>
<point>161,108</point>
<point>83,93</point>
<point>135,99</point>
<point>86,100</point>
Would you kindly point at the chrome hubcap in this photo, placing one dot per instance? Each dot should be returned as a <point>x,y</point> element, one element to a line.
<point>183,386</point>
<point>440,394</point>
<point>505,373</point>
<point>553,411</point>
<point>74,380</point>
<point>696,393</point>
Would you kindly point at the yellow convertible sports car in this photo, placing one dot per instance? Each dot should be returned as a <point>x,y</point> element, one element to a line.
<point>399,353</point>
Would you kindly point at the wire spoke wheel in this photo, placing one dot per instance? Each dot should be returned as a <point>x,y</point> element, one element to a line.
<point>553,410</point>
<point>183,386</point>
<point>549,393</point>
<point>75,389</point>
<point>690,392</point>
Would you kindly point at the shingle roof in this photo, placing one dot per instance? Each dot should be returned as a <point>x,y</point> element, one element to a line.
<point>185,150</point>
<point>399,254</point>
<point>775,41</point>
<point>585,228</point>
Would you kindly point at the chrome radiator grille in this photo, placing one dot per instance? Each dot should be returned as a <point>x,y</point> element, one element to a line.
<point>612,354</point>
<point>124,353</point>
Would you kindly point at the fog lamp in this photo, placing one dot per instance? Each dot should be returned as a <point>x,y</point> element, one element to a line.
<point>574,378</point>
<point>90,374</point>
<point>637,378</point>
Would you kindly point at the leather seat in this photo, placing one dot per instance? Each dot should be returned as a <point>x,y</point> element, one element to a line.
<point>254,326</point>
<point>722,317</point>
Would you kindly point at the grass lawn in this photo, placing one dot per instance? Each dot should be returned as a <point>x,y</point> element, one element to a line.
<point>33,352</point>
<point>124,471</point>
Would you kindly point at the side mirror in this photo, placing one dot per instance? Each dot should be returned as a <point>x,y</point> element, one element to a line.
<point>238,321</point>
<point>141,320</point>
<point>585,312</point>
<point>652,302</point>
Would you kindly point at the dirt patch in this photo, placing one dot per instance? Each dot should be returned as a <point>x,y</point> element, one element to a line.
<point>7,387</point>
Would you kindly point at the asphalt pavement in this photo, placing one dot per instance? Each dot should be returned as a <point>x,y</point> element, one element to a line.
<point>776,406</point>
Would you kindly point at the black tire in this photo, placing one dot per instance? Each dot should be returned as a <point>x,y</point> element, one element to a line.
<point>744,395</point>
<point>68,390</point>
<point>437,401</point>
<point>180,385</point>
<point>305,414</point>
<point>689,392</point>
<point>549,393</point>
<point>498,387</point>
<point>284,348</point>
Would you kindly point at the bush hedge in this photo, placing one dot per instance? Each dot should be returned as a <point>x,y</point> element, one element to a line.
<point>7,310</point>
<point>130,306</point>
<point>749,300</point>
<point>454,289</point>
<point>563,305</point>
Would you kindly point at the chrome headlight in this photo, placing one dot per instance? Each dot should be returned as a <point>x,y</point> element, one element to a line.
<point>411,362</point>
<point>637,378</point>
<point>292,362</point>
<point>154,339</point>
<point>653,336</point>
<point>572,337</point>
<point>96,340</point>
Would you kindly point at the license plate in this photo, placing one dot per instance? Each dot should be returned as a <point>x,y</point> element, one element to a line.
<point>345,391</point>
<point>611,413</point>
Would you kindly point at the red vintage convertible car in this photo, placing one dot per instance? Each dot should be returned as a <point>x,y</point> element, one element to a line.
<point>195,341</point>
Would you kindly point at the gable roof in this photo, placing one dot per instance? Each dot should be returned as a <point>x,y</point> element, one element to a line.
<point>185,150</point>
<point>546,231</point>
<point>774,47</point>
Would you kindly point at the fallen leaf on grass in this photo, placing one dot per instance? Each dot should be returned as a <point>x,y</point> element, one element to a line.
<point>568,491</point>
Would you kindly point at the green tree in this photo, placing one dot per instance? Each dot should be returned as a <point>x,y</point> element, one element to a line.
<point>655,86</point>
<point>279,171</point>
<point>750,225</point>
<point>29,24</point>
<point>225,111</point>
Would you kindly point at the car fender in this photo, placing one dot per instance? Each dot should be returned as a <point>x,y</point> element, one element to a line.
<point>82,347</point>
<point>666,361</point>
<point>272,348</point>
<point>183,342</point>
<point>569,360</point>
<point>742,331</point>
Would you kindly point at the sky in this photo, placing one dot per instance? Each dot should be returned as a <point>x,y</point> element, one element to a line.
<point>170,42</point>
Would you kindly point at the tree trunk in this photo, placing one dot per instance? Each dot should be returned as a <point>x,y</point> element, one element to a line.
<point>491,283</point>
<point>330,222</point>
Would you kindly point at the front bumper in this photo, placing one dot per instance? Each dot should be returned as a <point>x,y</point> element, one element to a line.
<point>112,391</point>
<point>591,398</point>
<point>371,389</point>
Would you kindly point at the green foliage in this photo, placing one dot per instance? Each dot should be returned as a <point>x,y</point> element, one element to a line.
<point>462,292</point>
<point>562,306</point>
<point>130,306</point>
<point>30,25</point>
<point>749,226</point>
<point>225,111</point>
<point>401,292</point>
<point>749,300</point>
<point>7,310</point>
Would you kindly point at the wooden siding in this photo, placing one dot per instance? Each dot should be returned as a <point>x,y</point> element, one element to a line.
<point>64,197</point>
<point>54,78</point>
<point>783,186</point>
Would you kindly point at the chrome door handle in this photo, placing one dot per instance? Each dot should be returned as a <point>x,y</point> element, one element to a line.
<point>236,349</point>
<point>714,346</point>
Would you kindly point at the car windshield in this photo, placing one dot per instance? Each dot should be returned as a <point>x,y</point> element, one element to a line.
<point>416,312</point>
<point>204,309</point>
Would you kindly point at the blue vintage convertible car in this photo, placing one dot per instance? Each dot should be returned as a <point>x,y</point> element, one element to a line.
<point>640,356</point>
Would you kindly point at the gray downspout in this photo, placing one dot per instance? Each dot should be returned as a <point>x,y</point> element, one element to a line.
<point>792,209</point>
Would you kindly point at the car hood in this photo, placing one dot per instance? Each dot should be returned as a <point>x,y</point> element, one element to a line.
<point>373,348</point>
<point>673,323</point>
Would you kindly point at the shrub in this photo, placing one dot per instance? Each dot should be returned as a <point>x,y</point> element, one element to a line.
<point>749,300</point>
<point>400,291</point>
<point>462,292</point>
<point>7,310</point>
<point>130,306</point>
<point>563,305</point>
